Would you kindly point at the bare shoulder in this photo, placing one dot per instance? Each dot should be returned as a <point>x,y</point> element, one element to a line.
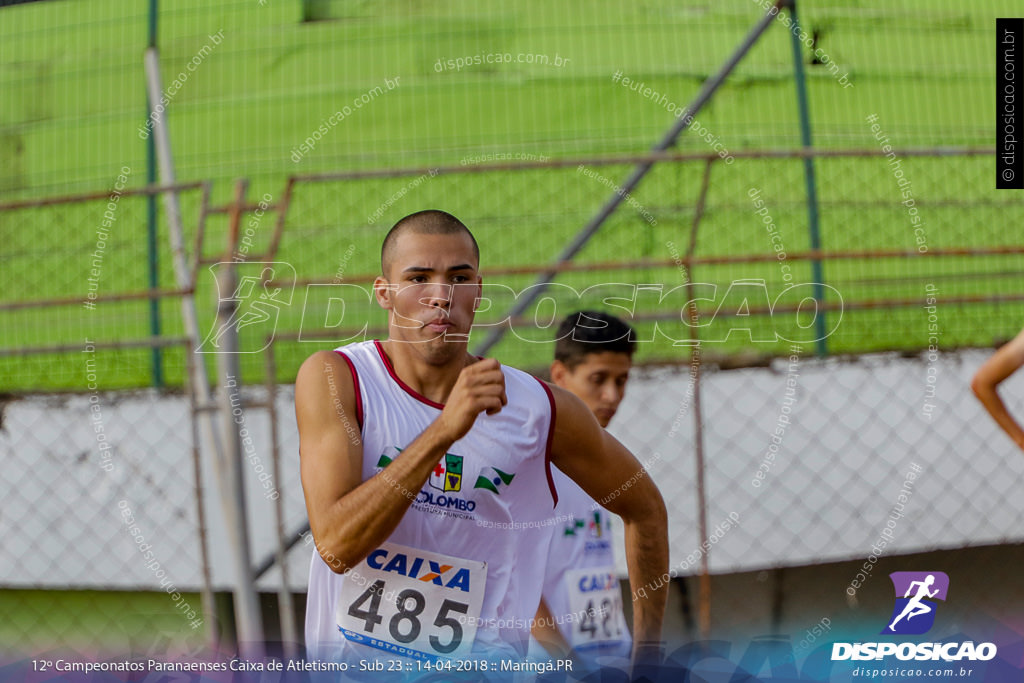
<point>324,391</point>
<point>323,369</point>
<point>330,442</point>
<point>570,406</point>
<point>597,462</point>
<point>575,426</point>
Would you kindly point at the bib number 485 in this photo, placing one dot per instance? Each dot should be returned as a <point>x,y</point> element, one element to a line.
<point>413,603</point>
<point>405,624</point>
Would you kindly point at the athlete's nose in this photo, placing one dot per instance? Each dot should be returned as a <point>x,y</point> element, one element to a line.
<point>610,393</point>
<point>439,296</point>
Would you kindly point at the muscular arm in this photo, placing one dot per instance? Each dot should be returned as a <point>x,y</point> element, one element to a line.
<point>611,475</point>
<point>1001,365</point>
<point>350,518</point>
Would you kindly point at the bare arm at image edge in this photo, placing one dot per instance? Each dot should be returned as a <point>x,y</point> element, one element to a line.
<point>1003,363</point>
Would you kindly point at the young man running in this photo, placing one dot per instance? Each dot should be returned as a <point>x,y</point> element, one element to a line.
<point>421,464</point>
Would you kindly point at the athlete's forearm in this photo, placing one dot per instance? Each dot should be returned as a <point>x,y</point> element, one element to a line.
<point>647,560</point>
<point>364,517</point>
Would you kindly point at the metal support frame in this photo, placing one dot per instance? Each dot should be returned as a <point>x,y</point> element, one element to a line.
<point>223,446</point>
<point>668,140</point>
<point>152,238</point>
<point>817,271</point>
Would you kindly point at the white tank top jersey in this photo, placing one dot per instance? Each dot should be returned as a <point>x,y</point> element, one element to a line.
<point>581,586</point>
<point>462,573</point>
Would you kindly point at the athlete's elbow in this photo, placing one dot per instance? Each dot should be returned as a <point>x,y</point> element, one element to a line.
<point>337,563</point>
<point>980,387</point>
<point>659,511</point>
<point>337,556</point>
<point>646,507</point>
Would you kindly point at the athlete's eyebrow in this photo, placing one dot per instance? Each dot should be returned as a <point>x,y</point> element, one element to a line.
<point>428,269</point>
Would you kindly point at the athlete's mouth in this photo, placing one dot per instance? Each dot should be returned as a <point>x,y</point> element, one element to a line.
<point>440,324</point>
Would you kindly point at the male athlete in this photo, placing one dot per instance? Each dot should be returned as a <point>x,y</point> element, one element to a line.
<point>421,464</point>
<point>1003,363</point>
<point>581,610</point>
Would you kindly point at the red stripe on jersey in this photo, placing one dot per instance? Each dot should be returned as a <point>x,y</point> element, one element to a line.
<point>355,384</point>
<point>551,438</point>
<point>398,380</point>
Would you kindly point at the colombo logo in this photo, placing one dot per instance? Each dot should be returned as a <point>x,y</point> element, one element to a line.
<point>445,477</point>
<point>447,474</point>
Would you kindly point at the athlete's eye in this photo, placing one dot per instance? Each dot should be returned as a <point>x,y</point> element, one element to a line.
<point>460,278</point>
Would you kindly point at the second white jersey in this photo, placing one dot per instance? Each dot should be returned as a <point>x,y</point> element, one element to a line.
<point>458,575</point>
<point>581,586</point>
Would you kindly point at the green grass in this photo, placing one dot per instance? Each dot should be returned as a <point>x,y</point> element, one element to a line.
<point>73,100</point>
<point>94,623</point>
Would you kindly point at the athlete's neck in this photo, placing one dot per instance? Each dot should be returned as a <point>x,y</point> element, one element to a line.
<point>433,377</point>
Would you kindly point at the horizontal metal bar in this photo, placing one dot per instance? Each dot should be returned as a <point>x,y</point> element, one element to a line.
<point>96,196</point>
<point>725,259</point>
<point>149,342</point>
<point>80,300</point>
<point>245,206</point>
<point>652,157</point>
<point>632,159</point>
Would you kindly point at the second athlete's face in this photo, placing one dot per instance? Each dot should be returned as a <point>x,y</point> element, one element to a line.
<point>600,381</point>
<point>431,289</point>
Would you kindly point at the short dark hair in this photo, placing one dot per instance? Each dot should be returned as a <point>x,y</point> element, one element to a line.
<point>586,332</point>
<point>428,222</point>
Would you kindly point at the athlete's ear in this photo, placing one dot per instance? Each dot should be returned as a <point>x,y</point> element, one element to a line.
<point>558,372</point>
<point>384,292</point>
<point>479,293</point>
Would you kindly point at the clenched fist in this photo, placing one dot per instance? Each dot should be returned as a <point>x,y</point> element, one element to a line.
<point>480,388</point>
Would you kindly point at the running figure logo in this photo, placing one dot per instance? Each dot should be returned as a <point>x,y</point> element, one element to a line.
<point>256,304</point>
<point>914,612</point>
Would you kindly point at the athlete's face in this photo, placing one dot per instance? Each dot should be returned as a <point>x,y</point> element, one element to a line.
<point>431,289</point>
<point>600,380</point>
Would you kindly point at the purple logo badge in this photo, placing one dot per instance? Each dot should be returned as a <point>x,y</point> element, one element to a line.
<point>916,593</point>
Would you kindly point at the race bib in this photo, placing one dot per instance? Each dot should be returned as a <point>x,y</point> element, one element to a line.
<point>595,601</point>
<point>413,602</point>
